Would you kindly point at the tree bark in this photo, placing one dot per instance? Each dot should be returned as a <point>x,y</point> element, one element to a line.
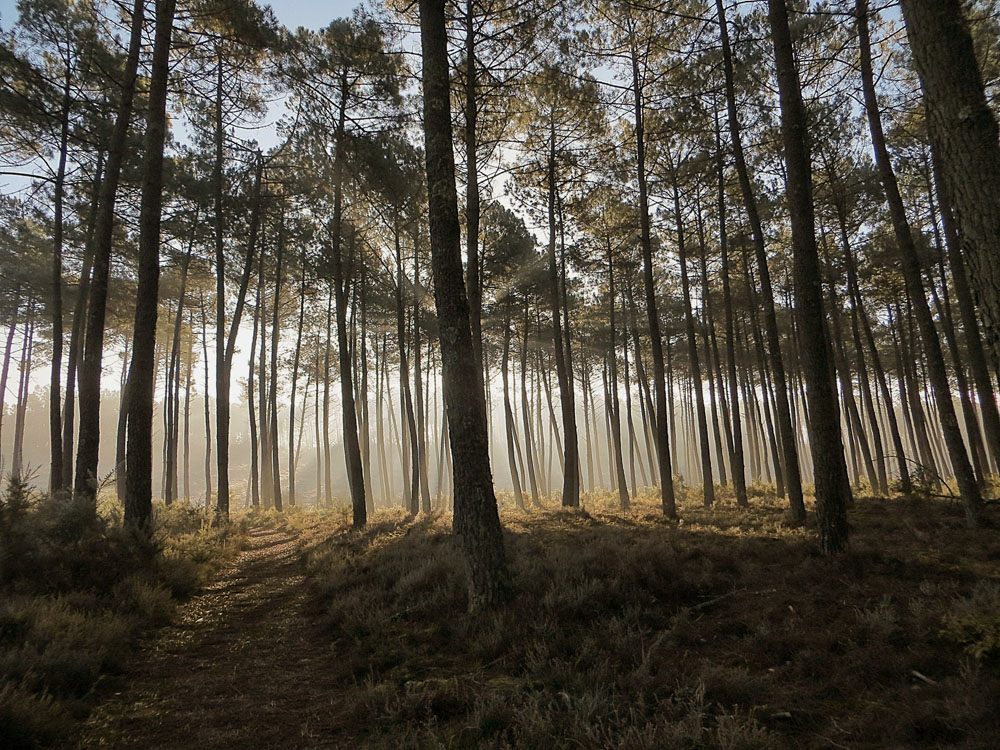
<point>964,132</point>
<point>832,494</point>
<point>969,318</point>
<point>273,395</point>
<point>476,519</point>
<point>667,500</point>
<point>615,417</point>
<point>790,471</point>
<point>88,446</point>
<point>56,475</point>
<point>708,486</point>
<point>139,408</point>
<point>910,263</point>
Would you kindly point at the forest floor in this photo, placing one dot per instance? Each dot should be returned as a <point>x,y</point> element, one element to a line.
<point>726,630</point>
<point>239,668</point>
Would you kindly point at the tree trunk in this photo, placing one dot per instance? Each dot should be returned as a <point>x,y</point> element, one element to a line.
<point>508,414</point>
<point>911,273</point>
<point>476,520</point>
<point>472,200</point>
<point>24,381</point>
<point>616,431</point>
<point>77,330</point>
<point>352,444</point>
<point>411,499</point>
<point>964,132</point>
<point>970,320</point>
<point>253,480</point>
<point>56,476</point>
<point>570,461</point>
<point>529,441</point>
<point>263,444</point>
<point>208,413</point>
<point>170,392</point>
<point>738,464</point>
<point>88,446</point>
<point>708,486</point>
<point>296,358</point>
<point>5,370</point>
<point>667,501</point>
<point>225,346</point>
<point>790,470</point>
<point>139,409</point>
<point>273,396</point>
<point>832,494</point>
<point>420,454</point>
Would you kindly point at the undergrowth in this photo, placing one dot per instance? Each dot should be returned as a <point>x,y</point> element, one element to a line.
<point>726,630</point>
<point>77,589</point>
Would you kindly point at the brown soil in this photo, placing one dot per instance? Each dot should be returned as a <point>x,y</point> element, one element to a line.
<point>240,668</point>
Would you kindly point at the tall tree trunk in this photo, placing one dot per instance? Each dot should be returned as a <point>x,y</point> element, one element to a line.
<point>296,359</point>
<point>790,470</point>
<point>88,446</point>
<point>365,415</point>
<point>420,454</point>
<point>5,369</point>
<point>225,345</point>
<point>263,444</point>
<point>327,469</point>
<point>508,413</point>
<point>472,199</point>
<point>738,464</point>
<point>530,451</point>
<point>667,501</point>
<point>56,477</point>
<point>273,396</point>
<point>352,444</point>
<point>186,459</point>
<point>969,318</point>
<point>139,449</point>
<point>570,460</point>
<point>207,405</point>
<point>77,330</point>
<point>911,273</point>
<point>832,492</point>
<point>616,431</point>
<point>476,519</point>
<point>964,131</point>
<point>23,387</point>
<point>173,376</point>
<point>411,499</point>
<point>708,486</point>
<point>712,364</point>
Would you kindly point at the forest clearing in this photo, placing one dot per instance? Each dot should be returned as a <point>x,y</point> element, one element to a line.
<point>499,373</point>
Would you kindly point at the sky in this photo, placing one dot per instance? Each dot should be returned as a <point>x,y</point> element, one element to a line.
<point>312,14</point>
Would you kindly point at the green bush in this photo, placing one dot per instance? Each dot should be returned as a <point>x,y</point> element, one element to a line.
<point>974,623</point>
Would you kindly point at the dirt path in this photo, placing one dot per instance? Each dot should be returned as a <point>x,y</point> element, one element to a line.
<point>244,667</point>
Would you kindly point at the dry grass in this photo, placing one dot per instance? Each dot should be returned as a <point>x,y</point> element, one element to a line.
<point>77,589</point>
<point>727,630</point>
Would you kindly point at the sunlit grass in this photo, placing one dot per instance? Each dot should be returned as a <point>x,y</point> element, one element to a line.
<point>726,629</point>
